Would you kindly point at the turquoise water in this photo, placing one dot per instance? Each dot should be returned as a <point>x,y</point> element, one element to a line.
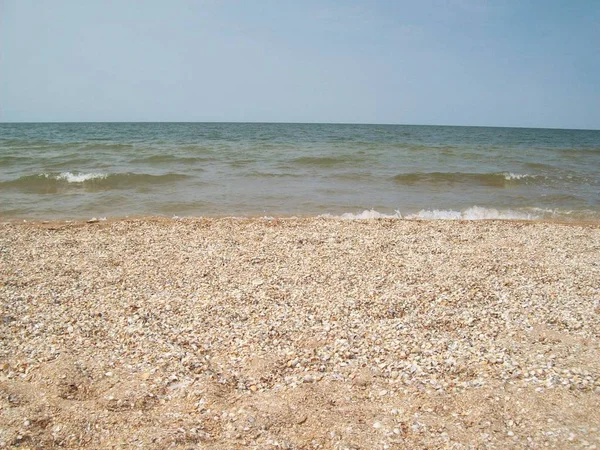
<point>216,169</point>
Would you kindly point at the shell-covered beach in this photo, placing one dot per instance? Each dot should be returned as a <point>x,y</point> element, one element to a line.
<point>299,333</point>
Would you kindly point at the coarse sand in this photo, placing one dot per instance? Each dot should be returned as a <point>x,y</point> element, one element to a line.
<point>300,334</point>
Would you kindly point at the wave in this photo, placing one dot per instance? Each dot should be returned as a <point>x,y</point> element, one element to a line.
<point>274,146</point>
<point>260,174</point>
<point>102,146</point>
<point>327,161</point>
<point>539,166</point>
<point>9,160</point>
<point>162,159</point>
<point>476,213</point>
<point>79,177</point>
<point>508,176</point>
<point>12,143</point>
<point>473,213</point>
<point>46,183</point>
<point>578,152</point>
<point>428,148</point>
<point>353,176</point>
<point>239,163</point>
<point>482,179</point>
<point>197,148</point>
<point>366,214</point>
<point>86,145</point>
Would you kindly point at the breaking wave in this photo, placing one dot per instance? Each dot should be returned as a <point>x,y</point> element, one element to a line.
<point>55,182</point>
<point>482,179</point>
<point>473,213</point>
<point>77,177</point>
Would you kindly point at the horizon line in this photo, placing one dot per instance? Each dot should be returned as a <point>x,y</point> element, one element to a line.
<point>295,123</point>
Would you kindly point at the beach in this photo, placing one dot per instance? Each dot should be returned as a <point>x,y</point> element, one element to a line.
<point>299,333</point>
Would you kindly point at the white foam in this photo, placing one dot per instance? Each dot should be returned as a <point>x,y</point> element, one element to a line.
<point>366,214</point>
<point>473,213</point>
<point>517,176</point>
<point>79,177</point>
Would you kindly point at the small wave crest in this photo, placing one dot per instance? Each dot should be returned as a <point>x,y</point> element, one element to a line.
<point>165,159</point>
<point>366,214</point>
<point>262,174</point>
<point>58,182</point>
<point>10,160</point>
<point>78,177</point>
<point>473,213</point>
<point>517,176</point>
<point>327,161</point>
<point>497,179</point>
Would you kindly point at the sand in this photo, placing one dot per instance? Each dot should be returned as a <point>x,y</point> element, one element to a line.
<point>299,333</point>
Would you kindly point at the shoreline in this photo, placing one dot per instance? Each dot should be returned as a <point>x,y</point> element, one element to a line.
<point>295,333</point>
<point>267,219</point>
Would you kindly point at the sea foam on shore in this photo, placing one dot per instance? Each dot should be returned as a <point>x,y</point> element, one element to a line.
<point>473,213</point>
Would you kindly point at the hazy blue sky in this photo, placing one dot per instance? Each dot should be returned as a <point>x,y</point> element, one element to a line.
<point>463,62</point>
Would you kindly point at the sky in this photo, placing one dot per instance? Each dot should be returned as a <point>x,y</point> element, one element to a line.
<point>524,63</point>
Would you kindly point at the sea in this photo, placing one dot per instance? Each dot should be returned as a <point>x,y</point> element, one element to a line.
<point>111,170</point>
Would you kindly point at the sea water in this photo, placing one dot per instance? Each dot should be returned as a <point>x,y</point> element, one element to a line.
<point>83,170</point>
